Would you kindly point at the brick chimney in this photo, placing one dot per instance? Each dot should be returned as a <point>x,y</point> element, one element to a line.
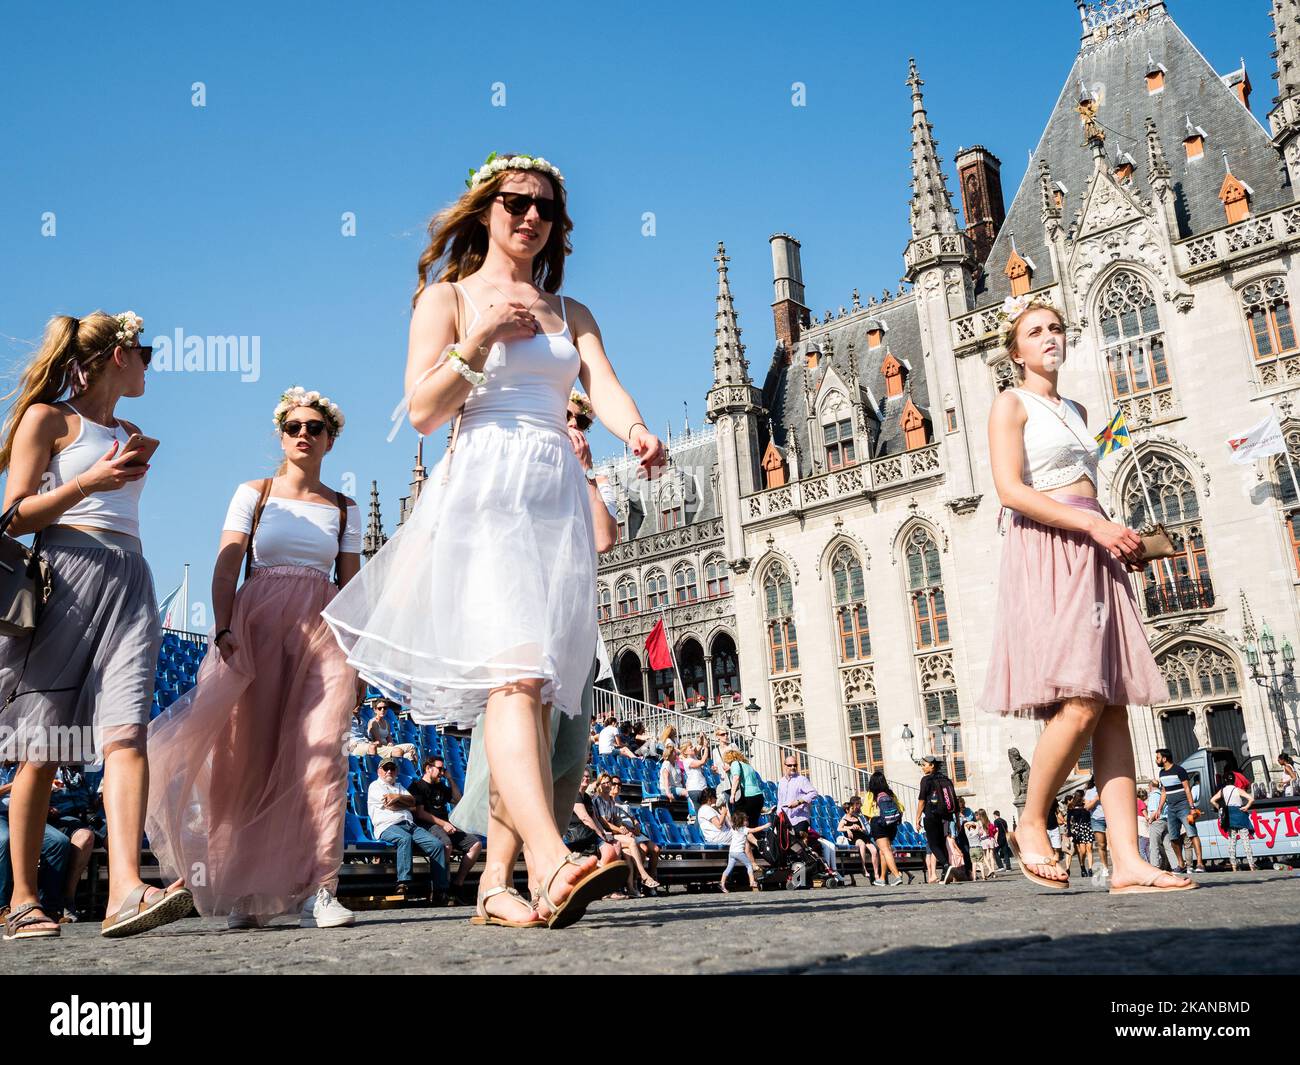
<point>788,309</point>
<point>979,172</point>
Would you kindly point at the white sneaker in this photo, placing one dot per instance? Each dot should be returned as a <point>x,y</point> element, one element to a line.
<point>325,911</point>
<point>877,883</point>
<point>894,881</point>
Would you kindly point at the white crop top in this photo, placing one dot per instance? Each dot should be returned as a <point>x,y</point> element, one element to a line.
<point>118,510</point>
<point>293,532</point>
<point>1059,450</point>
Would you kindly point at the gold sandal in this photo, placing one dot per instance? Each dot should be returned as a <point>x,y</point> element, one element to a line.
<point>595,885</point>
<point>482,918</point>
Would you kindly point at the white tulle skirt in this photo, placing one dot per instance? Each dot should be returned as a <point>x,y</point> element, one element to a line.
<point>491,580</point>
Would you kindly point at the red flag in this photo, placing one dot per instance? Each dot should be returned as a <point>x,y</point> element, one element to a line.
<point>656,645</point>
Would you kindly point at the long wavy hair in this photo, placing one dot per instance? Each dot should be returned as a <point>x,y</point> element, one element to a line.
<point>457,235</point>
<point>67,341</point>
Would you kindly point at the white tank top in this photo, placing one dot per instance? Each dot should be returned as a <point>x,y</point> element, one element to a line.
<point>118,510</point>
<point>528,380</point>
<point>1059,450</point>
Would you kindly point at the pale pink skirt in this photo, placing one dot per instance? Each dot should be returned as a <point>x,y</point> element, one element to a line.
<point>1067,624</point>
<point>248,770</point>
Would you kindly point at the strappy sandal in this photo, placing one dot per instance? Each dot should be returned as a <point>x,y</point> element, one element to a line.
<point>19,924</point>
<point>1027,859</point>
<point>482,918</point>
<point>138,916</point>
<point>595,885</point>
<point>1150,888</point>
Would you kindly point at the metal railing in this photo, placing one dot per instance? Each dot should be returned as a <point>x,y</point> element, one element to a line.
<point>1184,593</point>
<point>833,779</point>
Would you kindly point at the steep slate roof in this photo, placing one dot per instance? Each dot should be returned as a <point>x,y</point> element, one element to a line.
<point>696,455</point>
<point>1117,68</point>
<point>784,388</point>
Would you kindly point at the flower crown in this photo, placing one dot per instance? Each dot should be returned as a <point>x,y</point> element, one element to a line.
<point>297,396</point>
<point>129,325</point>
<point>494,164</point>
<point>582,402</point>
<point>1013,307</point>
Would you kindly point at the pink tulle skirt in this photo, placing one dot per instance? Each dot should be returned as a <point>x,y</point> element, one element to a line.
<point>1067,624</point>
<point>248,770</point>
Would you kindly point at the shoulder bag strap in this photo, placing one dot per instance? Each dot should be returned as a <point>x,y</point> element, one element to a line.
<point>455,428</point>
<point>257,518</point>
<point>343,525</point>
<point>1088,443</point>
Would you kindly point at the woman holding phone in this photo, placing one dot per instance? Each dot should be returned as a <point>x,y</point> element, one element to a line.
<point>85,677</point>
<point>481,604</point>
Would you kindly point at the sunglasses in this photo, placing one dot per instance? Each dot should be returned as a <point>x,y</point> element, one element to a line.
<point>313,427</point>
<point>582,421</point>
<point>517,203</point>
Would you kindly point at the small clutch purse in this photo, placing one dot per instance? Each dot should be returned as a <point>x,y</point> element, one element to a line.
<point>1157,544</point>
<point>25,581</point>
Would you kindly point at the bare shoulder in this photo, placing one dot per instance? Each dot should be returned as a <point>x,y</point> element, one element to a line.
<point>580,316</point>
<point>256,485</point>
<point>437,300</point>
<point>44,418</point>
<point>130,427</point>
<point>1007,409</point>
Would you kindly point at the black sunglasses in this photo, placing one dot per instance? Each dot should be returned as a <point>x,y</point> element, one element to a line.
<point>314,427</point>
<point>517,203</point>
<point>582,421</point>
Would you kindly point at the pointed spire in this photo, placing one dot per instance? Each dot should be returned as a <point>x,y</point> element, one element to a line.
<point>932,210</point>
<point>1157,165</point>
<point>729,364</point>
<point>374,538</point>
<point>1286,37</point>
<point>1046,194</point>
<point>686,418</point>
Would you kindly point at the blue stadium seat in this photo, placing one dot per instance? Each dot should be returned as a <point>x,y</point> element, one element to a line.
<point>655,830</point>
<point>356,833</point>
<point>405,772</point>
<point>769,792</point>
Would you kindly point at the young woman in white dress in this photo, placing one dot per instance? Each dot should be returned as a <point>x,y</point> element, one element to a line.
<point>482,601</point>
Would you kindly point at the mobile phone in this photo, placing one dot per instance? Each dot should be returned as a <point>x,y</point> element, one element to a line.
<point>145,445</point>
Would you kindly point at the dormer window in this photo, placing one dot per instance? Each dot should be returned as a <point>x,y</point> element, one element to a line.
<point>1124,168</point>
<point>1194,142</point>
<point>774,471</point>
<point>913,423</point>
<point>1020,272</point>
<point>1059,192</point>
<point>1235,195</point>
<point>875,334</point>
<point>893,371</point>
<point>1156,79</point>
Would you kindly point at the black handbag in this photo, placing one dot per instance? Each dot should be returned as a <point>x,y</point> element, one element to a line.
<point>25,581</point>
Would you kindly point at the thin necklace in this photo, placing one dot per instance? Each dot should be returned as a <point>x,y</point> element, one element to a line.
<point>507,298</point>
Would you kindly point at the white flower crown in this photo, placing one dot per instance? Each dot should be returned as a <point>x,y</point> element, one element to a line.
<point>297,396</point>
<point>581,402</point>
<point>494,164</point>
<point>1014,306</point>
<point>129,325</point>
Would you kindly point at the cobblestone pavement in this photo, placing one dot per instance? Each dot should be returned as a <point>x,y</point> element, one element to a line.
<point>1243,923</point>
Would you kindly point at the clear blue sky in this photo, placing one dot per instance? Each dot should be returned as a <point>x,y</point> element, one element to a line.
<point>225,219</point>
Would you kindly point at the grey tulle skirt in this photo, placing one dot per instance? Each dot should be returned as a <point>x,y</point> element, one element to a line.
<point>89,676</point>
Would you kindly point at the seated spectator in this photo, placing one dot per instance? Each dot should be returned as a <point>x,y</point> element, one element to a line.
<point>610,740</point>
<point>853,827</point>
<point>77,812</point>
<point>625,830</point>
<point>738,850</point>
<point>640,739</point>
<point>671,781</point>
<point>390,806</point>
<point>379,732</point>
<point>587,834</point>
<point>435,793</point>
<point>714,824</point>
<point>32,922</point>
<point>668,737</point>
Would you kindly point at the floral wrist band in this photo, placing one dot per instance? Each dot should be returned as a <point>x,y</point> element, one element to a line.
<point>458,363</point>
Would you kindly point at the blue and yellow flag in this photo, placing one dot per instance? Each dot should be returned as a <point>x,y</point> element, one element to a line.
<point>1114,436</point>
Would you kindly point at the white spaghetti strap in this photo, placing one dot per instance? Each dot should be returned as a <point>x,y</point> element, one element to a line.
<point>564,311</point>
<point>472,305</point>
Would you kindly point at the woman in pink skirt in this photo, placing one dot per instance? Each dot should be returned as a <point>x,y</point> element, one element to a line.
<point>250,769</point>
<point>1068,645</point>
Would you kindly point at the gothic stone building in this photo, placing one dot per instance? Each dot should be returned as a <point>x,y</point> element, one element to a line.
<point>833,534</point>
<point>828,544</point>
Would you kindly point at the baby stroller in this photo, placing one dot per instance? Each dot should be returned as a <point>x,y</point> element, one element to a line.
<point>796,856</point>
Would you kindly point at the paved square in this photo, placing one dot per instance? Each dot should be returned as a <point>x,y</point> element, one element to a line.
<point>1242,923</point>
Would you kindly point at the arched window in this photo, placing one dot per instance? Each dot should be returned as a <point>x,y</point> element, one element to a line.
<point>850,605</point>
<point>726,667</point>
<point>1134,346</point>
<point>627,597</point>
<point>1288,491</point>
<point>717,576</point>
<point>656,590</point>
<point>837,432</point>
<point>604,603</point>
<point>671,514</point>
<point>1268,314</point>
<point>778,602</point>
<point>1164,492</point>
<point>686,586</point>
<point>925,586</point>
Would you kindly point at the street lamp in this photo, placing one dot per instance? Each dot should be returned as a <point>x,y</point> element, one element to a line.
<point>752,709</point>
<point>909,742</point>
<point>1276,682</point>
